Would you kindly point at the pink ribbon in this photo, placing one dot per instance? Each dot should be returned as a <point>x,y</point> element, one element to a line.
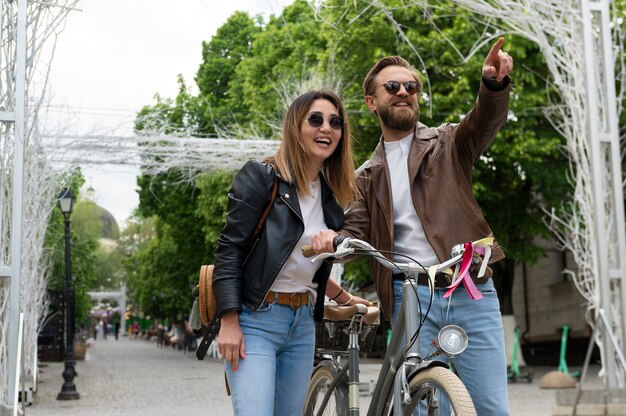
<point>464,275</point>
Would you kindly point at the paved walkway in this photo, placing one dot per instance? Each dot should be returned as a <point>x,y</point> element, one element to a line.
<point>136,378</point>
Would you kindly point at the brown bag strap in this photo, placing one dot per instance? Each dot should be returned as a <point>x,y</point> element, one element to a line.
<point>257,231</point>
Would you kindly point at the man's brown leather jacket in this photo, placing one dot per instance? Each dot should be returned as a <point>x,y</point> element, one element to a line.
<point>441,161</point>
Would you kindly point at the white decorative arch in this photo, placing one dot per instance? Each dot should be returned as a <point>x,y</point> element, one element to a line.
<point>119,296</point>
<point>572,34</point>
<point>27,183</point>
<point>582,42</point>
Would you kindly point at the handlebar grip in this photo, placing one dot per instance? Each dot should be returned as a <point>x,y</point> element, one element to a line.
<point>307,249</point>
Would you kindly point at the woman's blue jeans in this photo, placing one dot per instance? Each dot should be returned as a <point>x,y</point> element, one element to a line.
<point>482,366</point>
<point>274,377</point>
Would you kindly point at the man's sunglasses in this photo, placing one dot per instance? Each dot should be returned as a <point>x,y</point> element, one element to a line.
<point>316,120</point>
<point>393,87</point>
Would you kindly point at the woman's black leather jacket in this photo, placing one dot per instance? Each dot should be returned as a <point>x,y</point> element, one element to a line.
<point>245,270</point>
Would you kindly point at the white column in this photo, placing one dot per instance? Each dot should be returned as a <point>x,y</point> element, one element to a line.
<point>122,303</point>
<point>603,134</point>
<point>18,185</point>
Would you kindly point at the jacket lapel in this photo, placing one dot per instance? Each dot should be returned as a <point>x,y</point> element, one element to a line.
<point>289,196</point>
<point>333,214</point>
<point>420,146</point>
<point>380,175</point>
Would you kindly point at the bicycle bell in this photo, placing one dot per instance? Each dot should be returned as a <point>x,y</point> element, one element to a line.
<point>452,340</point>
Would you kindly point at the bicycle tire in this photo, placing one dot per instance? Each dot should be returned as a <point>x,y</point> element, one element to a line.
<point>322,377</point>
<point>441,383</point>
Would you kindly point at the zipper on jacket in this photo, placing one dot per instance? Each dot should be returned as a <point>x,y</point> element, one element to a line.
<point>282,264</point>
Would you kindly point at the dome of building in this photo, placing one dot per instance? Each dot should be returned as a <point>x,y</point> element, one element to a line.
<point>108,228</point>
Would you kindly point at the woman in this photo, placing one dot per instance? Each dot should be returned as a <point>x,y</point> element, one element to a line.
<point>267,293</point>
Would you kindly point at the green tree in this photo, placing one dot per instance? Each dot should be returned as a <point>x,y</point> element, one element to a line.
<point>221,56</point>
<point>211,207</point>
<point>92,222</point>
<point>174,256</point>
<point>153,284</point>
<point>522,171</point>
<point>134,240</point>
<point>287,51</point>
<point>524,168</point>
<point>109,270</point>
<point>179,117</point>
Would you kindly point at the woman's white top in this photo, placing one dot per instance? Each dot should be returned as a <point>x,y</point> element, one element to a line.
<point>298,271</point>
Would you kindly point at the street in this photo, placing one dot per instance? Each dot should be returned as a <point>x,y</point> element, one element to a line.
<point>136,378</point>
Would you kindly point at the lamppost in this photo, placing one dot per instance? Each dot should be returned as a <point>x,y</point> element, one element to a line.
<point>68,391</point>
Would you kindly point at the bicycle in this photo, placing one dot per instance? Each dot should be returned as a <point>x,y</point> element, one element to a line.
<point>408,383</point>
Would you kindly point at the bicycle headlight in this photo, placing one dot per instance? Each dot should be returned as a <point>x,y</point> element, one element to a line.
<point>452,340</point>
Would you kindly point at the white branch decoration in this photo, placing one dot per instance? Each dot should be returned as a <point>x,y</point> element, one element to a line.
<point>556,27</point>
<point>190,155</point>
<point>40,180</point>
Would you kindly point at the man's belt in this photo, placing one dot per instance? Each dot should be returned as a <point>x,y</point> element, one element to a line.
<point>441,279</point>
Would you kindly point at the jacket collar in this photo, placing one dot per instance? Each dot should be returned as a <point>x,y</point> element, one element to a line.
<point>421,132</point>
<point>333,213</point>
<point>380,172</point>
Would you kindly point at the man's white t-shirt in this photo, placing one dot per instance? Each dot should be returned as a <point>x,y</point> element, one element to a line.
<point>409,237</point>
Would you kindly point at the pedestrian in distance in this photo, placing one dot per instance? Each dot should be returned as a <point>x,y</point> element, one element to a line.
<point>160,335</point>
<point>418,202</point>
<point>101,329</point>
<point>268,295</point>
<point>133,330</point>
<point>116,325</point>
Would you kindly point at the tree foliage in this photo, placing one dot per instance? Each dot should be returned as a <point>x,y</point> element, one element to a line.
<point>249,66</point>
<point>169,263</point>
<point>211,206</point>
<point>221,57</point>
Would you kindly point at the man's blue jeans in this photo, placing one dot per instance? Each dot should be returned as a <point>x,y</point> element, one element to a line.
<point>482,366</point>
<point>274,377</point>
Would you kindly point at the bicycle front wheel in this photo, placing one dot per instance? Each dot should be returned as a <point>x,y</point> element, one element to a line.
<point>337,403</point>
<point>437,391</point>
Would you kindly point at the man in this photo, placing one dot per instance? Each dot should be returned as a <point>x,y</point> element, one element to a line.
<point>418,202</point>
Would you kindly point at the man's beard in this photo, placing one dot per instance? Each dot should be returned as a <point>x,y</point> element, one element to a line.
<point>399,120</point>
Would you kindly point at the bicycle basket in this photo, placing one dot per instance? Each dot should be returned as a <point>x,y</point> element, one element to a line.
<point>333,336</point>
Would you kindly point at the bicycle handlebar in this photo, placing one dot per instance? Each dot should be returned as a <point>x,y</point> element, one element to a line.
<point>307,249</point>
<point>346,246</point>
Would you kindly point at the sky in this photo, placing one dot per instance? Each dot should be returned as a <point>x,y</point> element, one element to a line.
<point>110,60</point>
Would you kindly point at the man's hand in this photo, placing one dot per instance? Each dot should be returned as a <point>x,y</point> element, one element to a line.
<point>322,242</point>
<point>498,64</point>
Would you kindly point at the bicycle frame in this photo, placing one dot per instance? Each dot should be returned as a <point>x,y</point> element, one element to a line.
<point>399,363</point>
<point>352,368</point>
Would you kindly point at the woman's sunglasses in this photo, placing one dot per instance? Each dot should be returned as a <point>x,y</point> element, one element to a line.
<point>393,87</point>
<point>316,120</point>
